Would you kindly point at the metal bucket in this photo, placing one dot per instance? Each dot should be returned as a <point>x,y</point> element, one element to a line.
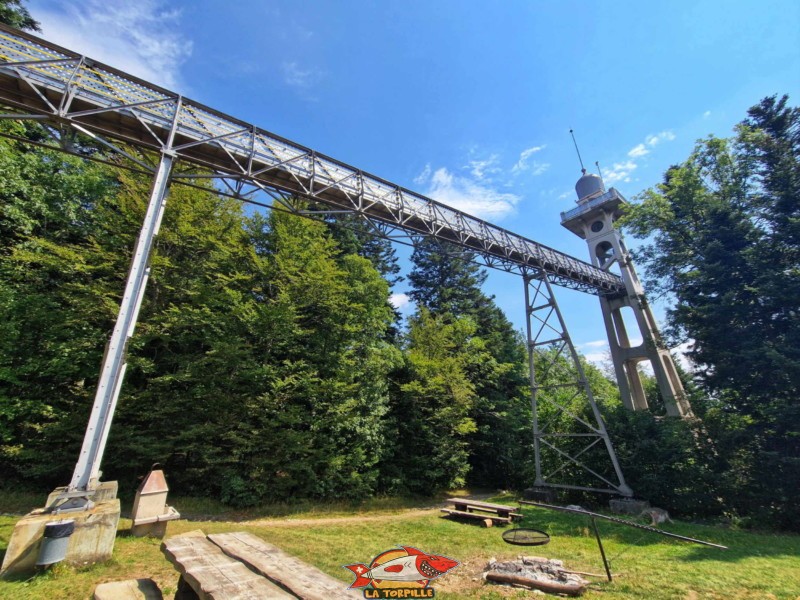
<point>55,541</point>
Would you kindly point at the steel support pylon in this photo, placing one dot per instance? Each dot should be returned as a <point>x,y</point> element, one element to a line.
<point>112,372</point>
<point>560,391</point>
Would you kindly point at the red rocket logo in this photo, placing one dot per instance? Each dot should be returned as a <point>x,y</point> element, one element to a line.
<point>405,567</point>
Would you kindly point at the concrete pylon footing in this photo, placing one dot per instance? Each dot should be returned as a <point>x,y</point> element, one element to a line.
<point>131,589</point>
<point>628,506</point>
<point>105,490</point>
<point>93,540</point>
<point>544,495</point>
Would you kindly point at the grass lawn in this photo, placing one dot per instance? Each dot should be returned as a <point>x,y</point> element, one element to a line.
<point>757,565</point>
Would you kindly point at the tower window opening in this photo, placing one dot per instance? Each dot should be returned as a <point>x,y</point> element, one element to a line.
<point>604,251</point>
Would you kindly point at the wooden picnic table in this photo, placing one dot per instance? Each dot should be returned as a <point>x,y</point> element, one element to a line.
<point>485,511</point>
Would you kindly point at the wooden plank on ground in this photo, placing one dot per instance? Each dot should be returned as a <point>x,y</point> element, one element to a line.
<point>305,581</point>
<point>215,576</point>
<point>472,515</point>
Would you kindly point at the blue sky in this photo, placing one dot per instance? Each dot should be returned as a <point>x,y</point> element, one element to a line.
<point>468,102</point>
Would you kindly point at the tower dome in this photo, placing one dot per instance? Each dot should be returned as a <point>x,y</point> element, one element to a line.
<point>588,186</point>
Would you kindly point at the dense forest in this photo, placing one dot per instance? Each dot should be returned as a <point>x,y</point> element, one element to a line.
<point>269,364</point>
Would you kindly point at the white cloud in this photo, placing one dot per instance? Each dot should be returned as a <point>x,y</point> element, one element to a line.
<point>619,172</point>
<point>298,77</point>
<point>481,168</point>
<point>538,168</point>
<point>654,140</point>
<point>399,300</point>
<point>597,353</point>
<point>622,171</point>
<point>469,195</point>
<point>706,114</point>
<point>638,151</point>
<point>598,359</point>
<point>425,176</point>
<point>651,141</point>
<point>535,167</point>
<point>141,38</point>
<point>594,344</point>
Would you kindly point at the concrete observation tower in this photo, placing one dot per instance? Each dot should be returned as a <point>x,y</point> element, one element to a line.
<point>593,220</point>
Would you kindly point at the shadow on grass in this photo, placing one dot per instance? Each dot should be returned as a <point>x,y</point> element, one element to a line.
<point>21,577</point>
<point>207,509</point>
<point>741,544</point>
<point>20,502</point>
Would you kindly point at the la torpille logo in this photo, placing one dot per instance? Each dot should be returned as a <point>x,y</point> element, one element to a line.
<point>402,572</point>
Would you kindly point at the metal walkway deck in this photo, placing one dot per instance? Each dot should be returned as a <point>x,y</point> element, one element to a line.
<point>46,82</point>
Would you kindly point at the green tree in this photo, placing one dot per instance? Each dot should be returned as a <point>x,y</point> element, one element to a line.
<point>193,351</point>
<point>447,282</point>
<point>321,407</point>
<point>354,235</point>
<point>725,243</point>
<point>259,365</point>
<point>431,413</point>
<point>445,279</point>
<point>55,298</point>
<point>13,13</point>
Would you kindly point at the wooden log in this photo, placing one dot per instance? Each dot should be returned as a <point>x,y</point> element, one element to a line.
<point>584,574</point>
<point>542,559</point>
<point>488,523</point>
<point>546,586</point>
<point>303,580</point>
<point>214,575</point>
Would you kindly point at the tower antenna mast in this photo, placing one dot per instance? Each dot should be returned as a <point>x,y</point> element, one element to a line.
<point>599,172</point>
<point>580,160</point>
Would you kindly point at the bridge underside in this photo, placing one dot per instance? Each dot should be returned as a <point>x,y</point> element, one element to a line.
<point>55,85</point>
<point>156,130</point>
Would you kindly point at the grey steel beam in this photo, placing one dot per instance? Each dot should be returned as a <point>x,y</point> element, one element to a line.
<point>112,372</point>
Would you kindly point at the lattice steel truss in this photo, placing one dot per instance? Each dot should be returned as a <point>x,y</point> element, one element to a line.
<point>559,389</point>
<point>61,86</point>
<point>69,92</point>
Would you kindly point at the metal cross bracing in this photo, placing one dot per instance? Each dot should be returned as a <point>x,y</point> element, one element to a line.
<point>560,391</point>
<point>68,92</point>
<point>56,84</point>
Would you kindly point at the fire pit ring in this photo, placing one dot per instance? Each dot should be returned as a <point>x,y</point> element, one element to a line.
<point>526,537</point>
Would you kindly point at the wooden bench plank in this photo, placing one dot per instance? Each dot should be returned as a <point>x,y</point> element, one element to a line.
<point>488,512</point>
<point>305,581</point>
<point>472,515</point>
<point>485,507</point>
<point>213,575</point>
<point>480,504</point>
